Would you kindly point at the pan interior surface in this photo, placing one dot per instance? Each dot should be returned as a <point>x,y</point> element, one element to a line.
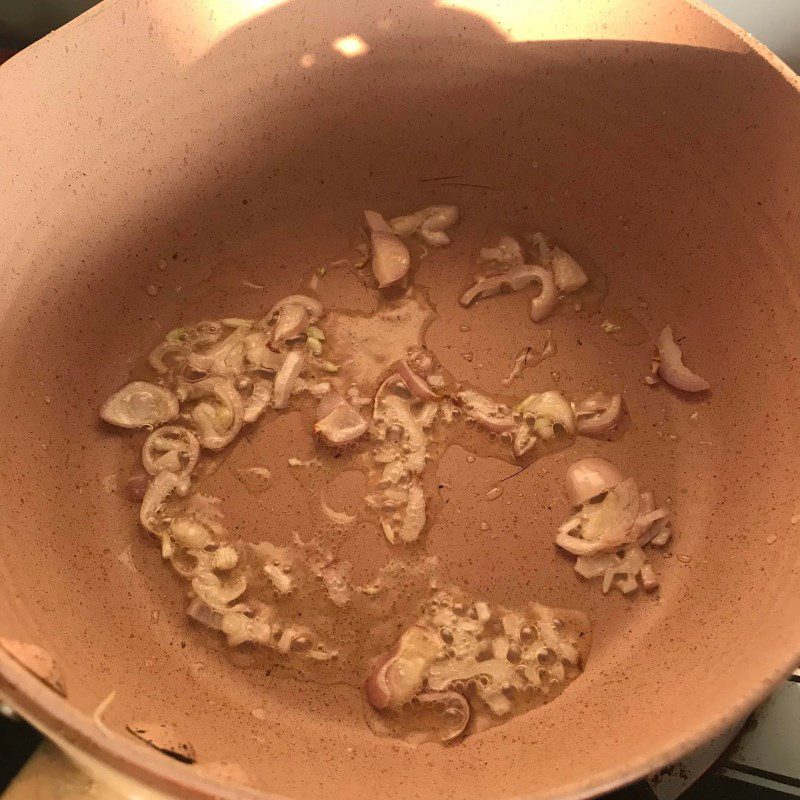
<point>652,142</point>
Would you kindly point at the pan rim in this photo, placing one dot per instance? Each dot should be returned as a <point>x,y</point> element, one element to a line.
<point>75,733</point>
<point>73,730</point>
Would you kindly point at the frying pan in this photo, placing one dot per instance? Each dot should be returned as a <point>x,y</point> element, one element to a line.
<point>653,139</point>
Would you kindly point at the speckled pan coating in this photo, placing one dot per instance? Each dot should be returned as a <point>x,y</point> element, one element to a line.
<point>653,140</point>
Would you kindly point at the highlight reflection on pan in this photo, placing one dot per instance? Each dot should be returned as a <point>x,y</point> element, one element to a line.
<point>672,166</point>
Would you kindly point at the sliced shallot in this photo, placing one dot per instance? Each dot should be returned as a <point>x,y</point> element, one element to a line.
<point>414,517</point>
<point>645,527</point>
<point>139,405</point>
<point>217,425</point>
<point>417,385</point>
<point>543,304</point>
<point>623,574</point>
<point>567,272</point>
<point>342,425</point>
<point>395,411</point>
<point>486,412</point>
<point>390,257</point>
<point>515,279</point>
<point>648,576</point>
<point>661,533</point>
<point>172,447</point>
<point>449,701</point>
<point>337,517</point>
<point>598,414</point>
<point>468,646</point>
<point>258,401</point>
<point>605,526</point>
<point>397,676</point>
<point>427,414</point>
<point>165,349</point>
<point>190,533</point>
<point>239,628</point>
<point>548,410</point>
<point>258,353</point>
<point>524,439</point>
<point>216,593</point>
<point>508,251</point>
<point>529,358</point>
<point>201,613</point>
<point>224,358</point>
<point>430,223</point>
<point>312,306</point>
<point>327,404</point>
<point>376,686</point>
<point>293,319</point>
<point>286,378</point>
<point>591,477</point>
<point>388,385</point>
<point>595,566</point>
<point>160,488</point>
<point>673,370</point>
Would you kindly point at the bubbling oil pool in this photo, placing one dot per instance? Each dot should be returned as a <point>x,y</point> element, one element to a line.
<point>379,610</point>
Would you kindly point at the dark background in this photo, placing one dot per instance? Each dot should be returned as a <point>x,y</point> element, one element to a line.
<point>24,21</point>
